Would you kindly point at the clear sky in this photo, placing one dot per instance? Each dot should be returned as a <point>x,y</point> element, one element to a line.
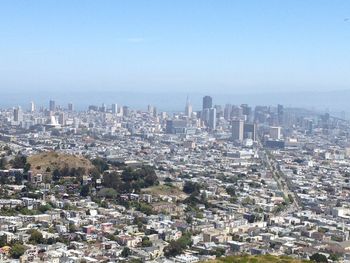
<point>226,46</point>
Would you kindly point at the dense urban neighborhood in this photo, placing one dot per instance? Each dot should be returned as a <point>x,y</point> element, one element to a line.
<point>115,184</point>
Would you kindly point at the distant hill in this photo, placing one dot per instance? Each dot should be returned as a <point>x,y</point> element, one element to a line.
<point>49,161</point>
<point>257,259</point>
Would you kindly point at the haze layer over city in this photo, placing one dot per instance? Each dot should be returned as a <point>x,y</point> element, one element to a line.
<point>174,131</point>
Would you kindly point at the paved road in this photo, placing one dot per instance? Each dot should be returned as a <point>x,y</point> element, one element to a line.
<point>282,181</point>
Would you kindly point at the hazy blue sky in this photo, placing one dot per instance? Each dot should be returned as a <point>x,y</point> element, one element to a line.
<point>184,45</point>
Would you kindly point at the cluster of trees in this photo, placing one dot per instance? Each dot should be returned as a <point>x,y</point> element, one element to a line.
<point>131,180</point>
<point>191,188</point>
<point>17,178</point>
<point>146,242</point>
<point>3,163</point>
<point>23,210</point>
<point>17,249</point>
<point>177,247</point>
<point>66,171</point>
<point>100,164</point>
<point>19,162</point>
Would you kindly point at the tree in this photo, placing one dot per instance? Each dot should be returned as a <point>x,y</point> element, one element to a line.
<point>112,180</point>
<point>108,193</point>
<point>85,190</point>
<point>191,188</point>
<point>231,191</point>
<point>334,257</point>
<point>17,250</point>
<point>126,252</point>
<point>3,240</point>
<point>44,208</point>
<point>3,163</point>
<point>26,167</point>
<point>317,257</point>
<point>219,252</point>
<point>176,247</point>
<point>19,161</point>
<point>56,175</point>
<point>100,164</point>
<point>173,249</point>
<point>146,242</point>
<point>36,237</point>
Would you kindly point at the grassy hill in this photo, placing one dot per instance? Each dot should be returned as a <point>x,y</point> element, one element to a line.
<point>165,190</point>
<point>257,259</point>
<point>53,160</point>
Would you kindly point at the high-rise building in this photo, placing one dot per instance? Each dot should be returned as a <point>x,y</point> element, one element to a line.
<point>207,102</point>
<point>275,133</point>
<point>114,108</point>
<point>17,114</point>
<point>188,108</point>
<point>280,112</point>
<point>103,108</point>
<point>212,118</point>
<point>32,106</point>
<point>249,131</point>
<point>125,111</point>
<point>228,112</point>
<point>62,119</point>
<point>237,130</point>
<point>70,107</point>
<point>52,105</point>
<point>93,108</point>
<point>219,111</point>
<point>205,116</point>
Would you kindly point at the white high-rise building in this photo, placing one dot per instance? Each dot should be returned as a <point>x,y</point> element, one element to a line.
<point>188,108</point>
<point>32,106</point>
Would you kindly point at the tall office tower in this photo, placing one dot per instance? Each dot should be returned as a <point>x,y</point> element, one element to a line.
<point>17,114</point>
<point>125,111</point>
<point>237,112</point>
<point>207,102</point>
<point>237,130</point>
<point>275,133</point>
<point>205,116</point>
<point>188,108</point>
<point>155,112</point>
<point>150,109</point>
<point>52,105</point>
<point>120,111</point>
<point>212,119</point>
<point>70,107</point>
<point>114,108</point>
<point>32,106</point>
<point>247,112</point>
<point>228,112</point>
<point>280,114</point>
<point>245,109</point>
<point>103,108</point>
<point>62,119</point>
<point>93,108</point>
<point>249,131</point>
